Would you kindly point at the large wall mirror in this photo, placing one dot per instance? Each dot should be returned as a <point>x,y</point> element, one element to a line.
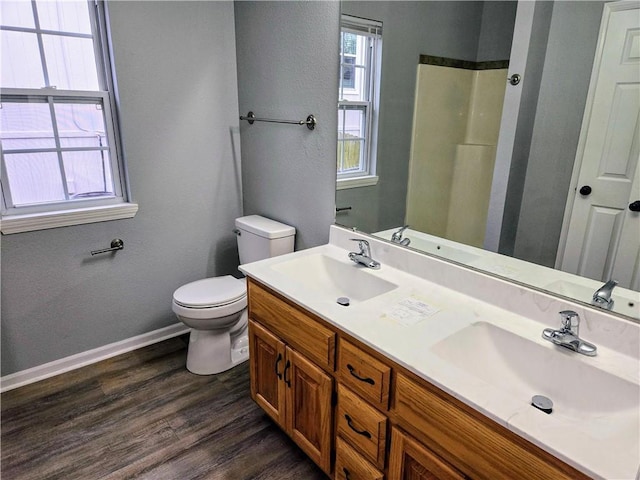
<point>480,163</point>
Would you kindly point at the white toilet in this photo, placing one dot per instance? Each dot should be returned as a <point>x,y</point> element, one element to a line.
<point>216,308</point>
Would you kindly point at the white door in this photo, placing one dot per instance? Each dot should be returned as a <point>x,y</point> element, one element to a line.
<point>602,233</point>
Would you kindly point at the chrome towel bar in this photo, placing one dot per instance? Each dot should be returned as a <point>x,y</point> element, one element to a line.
<point>310,122</point>
<point>116,244</point>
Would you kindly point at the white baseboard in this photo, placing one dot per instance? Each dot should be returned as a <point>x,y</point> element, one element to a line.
<point>34,374</point>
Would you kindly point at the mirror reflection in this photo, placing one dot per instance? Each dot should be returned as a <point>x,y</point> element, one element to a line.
<point>488,173</point>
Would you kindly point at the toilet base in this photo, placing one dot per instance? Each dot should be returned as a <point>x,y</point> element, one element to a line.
<point>211,351</point>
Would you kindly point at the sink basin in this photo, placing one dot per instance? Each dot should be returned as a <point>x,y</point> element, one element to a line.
<point>332,279</point>
<point>524,368</point>
<point>626,302</point>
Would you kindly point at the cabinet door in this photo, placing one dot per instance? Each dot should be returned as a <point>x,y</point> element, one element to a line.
<point>309,408</point>
<point>267,362</point>
<point>410,460</point>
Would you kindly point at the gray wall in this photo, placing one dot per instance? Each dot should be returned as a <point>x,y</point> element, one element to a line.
<point>526,120</point>
<point>447,29</point>
<point>567,69</point>
<point>287,69</point>
<point>176,68</point>
<point>496,31</point>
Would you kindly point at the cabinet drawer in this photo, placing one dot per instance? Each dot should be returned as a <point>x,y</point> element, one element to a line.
<point>488,451</point>
<point>293,326</point>
<point>351,466</point>
<point>364,374</point>
<point>364,427</point>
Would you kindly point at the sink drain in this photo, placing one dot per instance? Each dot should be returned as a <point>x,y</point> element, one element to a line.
<point>542,403</point>
<point>344,301</point>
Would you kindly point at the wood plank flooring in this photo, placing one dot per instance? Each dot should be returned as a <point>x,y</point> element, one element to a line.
<point>143,415</point>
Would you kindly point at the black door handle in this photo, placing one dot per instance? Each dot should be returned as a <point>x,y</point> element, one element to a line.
<point>585,190</point>
<point>352,371</point>
<point>286,369</point>
<point>278,360</point>
<point>635,206</point>
<point>364,433</point>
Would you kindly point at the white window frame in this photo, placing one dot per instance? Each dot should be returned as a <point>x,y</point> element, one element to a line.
<point>16,219</point>
<point>372,30</point>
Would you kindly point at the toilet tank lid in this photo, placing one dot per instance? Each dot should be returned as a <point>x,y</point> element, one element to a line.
<point>264,227</point>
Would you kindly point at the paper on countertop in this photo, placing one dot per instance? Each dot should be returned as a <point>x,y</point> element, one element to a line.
<point>409,311</point>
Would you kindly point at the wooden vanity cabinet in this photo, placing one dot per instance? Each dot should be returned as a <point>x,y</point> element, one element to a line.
<point>362,426</point>
<point>387,423</point>
<point>409,460</point>
<point>266,365</point>
<point>351,466</point>
<point>287,350</point>
<point>294,392</point>
<point>473,443</point>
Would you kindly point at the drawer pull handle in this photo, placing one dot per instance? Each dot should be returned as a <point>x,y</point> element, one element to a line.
<point>278,360</point>
<point>286,369</point>
<point>364,433</point>
<point>352,371</point>
<point>346,473</point>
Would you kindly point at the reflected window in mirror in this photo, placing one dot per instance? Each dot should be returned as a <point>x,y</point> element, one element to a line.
<point>360,55</point>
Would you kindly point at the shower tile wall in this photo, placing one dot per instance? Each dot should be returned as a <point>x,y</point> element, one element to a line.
<point>455,132</point>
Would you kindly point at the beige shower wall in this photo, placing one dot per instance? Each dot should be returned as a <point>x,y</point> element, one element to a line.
<point>455,129</point>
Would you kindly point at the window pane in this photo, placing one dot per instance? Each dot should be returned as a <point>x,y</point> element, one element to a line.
<point>349,154</point>
<point>71,62</point>
<point>20,66</point>
<point>348,72</point>
<point>67,16</point>
<point>16,14</point>
<point>26,126</point>
<point>88,174</point>
<point>349,41</point>
<point>353,123</point>
<point>80,125</point>
<point>34,178</point>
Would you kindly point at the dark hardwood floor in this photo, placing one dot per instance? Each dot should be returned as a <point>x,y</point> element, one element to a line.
<point>143,415</point>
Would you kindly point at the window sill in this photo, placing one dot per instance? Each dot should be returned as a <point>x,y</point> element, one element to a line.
<point>355,182</point>
<point>65,218</point>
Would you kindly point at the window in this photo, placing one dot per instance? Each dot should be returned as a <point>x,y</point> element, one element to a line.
<point>360,52</point>
<point>61,161</point>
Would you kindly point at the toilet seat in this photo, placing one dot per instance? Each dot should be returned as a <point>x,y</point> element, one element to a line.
<point>212,293</point>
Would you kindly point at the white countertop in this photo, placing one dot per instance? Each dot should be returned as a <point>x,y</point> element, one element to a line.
<point>602,444</point>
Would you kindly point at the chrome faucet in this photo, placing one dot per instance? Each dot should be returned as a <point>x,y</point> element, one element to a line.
<point>602,296</point>
<point>363,257</point>
<point>569,335</point>
<point>397,236</point>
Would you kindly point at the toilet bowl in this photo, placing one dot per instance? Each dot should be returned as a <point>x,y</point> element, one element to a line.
<point>216,308</point>
<point>216,311</point>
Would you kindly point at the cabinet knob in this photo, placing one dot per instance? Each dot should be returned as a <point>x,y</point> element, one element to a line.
<point>635,206</point>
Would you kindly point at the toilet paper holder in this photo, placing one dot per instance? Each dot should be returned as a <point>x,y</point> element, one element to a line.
<point>116,244</point>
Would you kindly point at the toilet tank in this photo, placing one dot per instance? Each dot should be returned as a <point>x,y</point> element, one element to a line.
<point>260,238</point>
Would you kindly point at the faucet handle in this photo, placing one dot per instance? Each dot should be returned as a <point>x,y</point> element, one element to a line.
<point>566,317</point>
<point>397,235</point>
<point>363,244</point>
